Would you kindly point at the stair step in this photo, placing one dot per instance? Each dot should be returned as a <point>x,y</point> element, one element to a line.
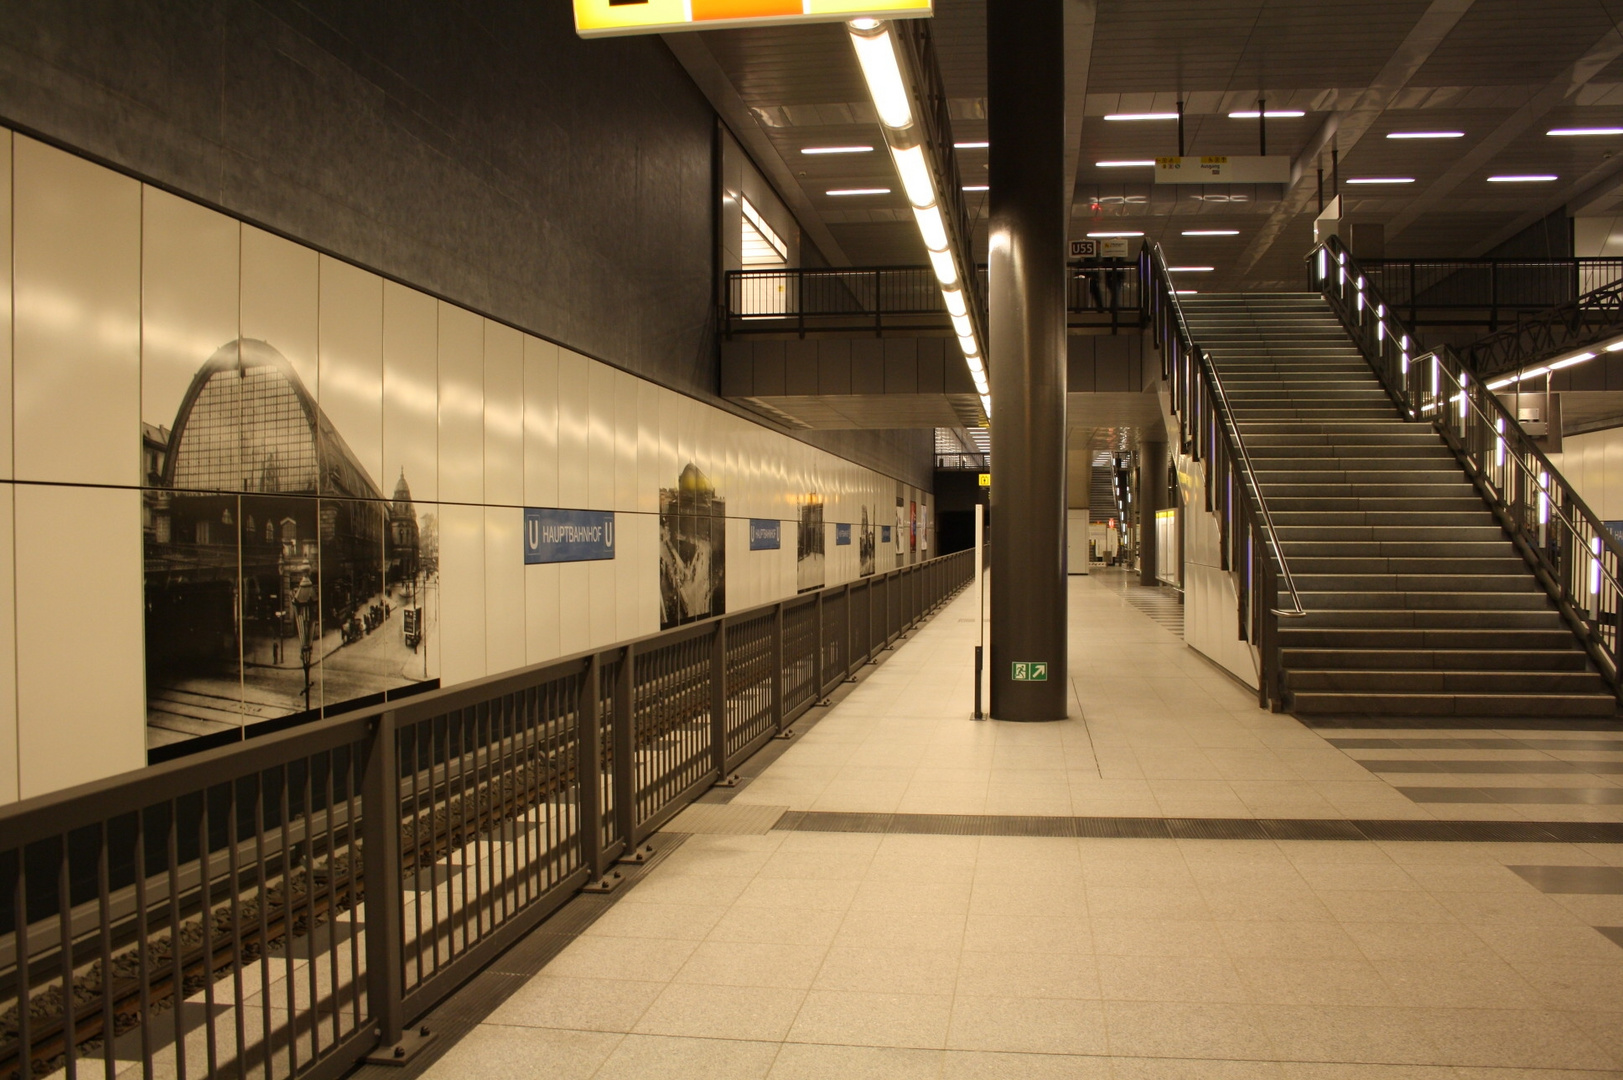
<point>1426,619</point>
<point>1522,582</point>
<point>1293,635</point>
<point>1302,566</point>
<point>1441,600</point>
<point>1322,703</point>
<point>1413,681</point>
<point>1388,533</point>
<point>1418,518</point>
<point>1469,661</point>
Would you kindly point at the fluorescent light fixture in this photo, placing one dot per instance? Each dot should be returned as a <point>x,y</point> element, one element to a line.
<point>1189,269</point>
<point>1381,180</point>
<point>986,405</point>
<point>1270,114</point>
<point>967,343</point>
<point>859,191</point>
<point>1569,361</point>
<point>1211,232</point>
<point>946,271</point>
<point>931,228</point>
<point>877,56</point>
<point>1111,235</point>
<point>1614,346</point>
<point>915,173</point>
<point>1534,178</point>
<point>1586,131</point>
<point>1141,116</point>
<point>977,187</point>
<point>1425,135</point>
<point>1500,384</point>
<point>970,145</point>
<point>836,150</point>
<point>1186,292</point>
<point>961,327</point>
<point>955,301</point>
<point>1124,164</point>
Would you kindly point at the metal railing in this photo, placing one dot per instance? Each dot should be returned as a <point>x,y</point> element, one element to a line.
<point>290,905</point>
<point>900,298</point>
<point>1484,291</point>
<point>1248,542</point>
<point>1572,553</point>
<point>1588,320</point>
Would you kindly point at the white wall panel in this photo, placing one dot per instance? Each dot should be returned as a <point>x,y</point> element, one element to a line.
<point>647,572</point>
<point>574,606</point>
<point>600,437</point>
<point>604,594</point>
<point>541,613</point>
<point>80,669</point>
<point>5,304</point>
<point>410,392</point>
<point>280,298</point>
<point>504,589</point>
<point>77,332</point>
<point>462,405</point>
<point>462,593</point>
<point>504,415</point>
<point>625,441</point>
<point>629,559</point>
<point>189,284</point>
<point>574,420</point>
<point>9,779</point>
<point>649,458</point>
<point>541,426</point>
<point>349,358</point>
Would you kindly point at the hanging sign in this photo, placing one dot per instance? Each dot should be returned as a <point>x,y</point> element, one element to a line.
<point>607,18</point>
<point>766,534</point>
<point>554,536</point>
<point>1084,249</point>
<point>1223,169</point>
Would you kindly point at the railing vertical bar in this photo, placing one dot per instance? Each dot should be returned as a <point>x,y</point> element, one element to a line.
<point>289,980</point>
<point>380,825</point>
<point>64,926</point>
<point>104,912</point>
<point>205,908</point>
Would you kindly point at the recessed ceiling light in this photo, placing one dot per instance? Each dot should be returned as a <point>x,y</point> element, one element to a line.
<point>1270,114</point>
<point>1381,180</point>
<point>1425,135</point>
<point>1188,269</point>
<point>977,187</point>
<point>1586,131</point>
<point>970,145</point>
<point>1142,116</point>
<point>859,191</point>
<point>1124,164</point>
<point>1211,232</point>
<point>836,150</point>
<point>1111,235</point>
<point>1537,178</point>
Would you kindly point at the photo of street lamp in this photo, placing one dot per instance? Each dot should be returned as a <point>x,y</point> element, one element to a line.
<point>304,610</point>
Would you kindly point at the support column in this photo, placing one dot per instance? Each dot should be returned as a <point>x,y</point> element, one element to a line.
<point>1030,213</point>
<point>1152,484</point>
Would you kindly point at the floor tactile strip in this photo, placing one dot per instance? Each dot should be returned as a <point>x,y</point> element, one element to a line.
<point>1540,832</point>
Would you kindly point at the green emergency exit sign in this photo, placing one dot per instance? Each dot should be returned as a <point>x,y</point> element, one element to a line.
<point>1029,671</point>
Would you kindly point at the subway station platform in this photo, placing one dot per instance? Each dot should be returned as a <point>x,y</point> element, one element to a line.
<point>1171,883</point>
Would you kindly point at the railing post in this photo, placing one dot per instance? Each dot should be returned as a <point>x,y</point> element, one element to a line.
<point>385,939</point>
<point>589,766</point>
<point>820,648</point>
<point>625,753</point>
<point>849,659</point>
<point>718,700</point>
<point>878,307</point>
<point>777,668</point>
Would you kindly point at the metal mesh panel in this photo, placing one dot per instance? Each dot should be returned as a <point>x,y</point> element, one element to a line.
<point>861,632</point>
<point>835,605</point>
<point>799,655</point>
<point>608,687</point>
<point>671,721</point>
<point>749,681</point>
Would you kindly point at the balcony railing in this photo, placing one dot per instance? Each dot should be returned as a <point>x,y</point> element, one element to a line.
<point>292,905</point>
<point>1484,292</point>
<point>882,299</point>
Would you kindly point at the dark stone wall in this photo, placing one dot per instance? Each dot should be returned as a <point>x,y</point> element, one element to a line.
<point>476,150</point>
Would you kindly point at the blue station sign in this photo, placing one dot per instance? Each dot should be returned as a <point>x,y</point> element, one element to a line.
<point>555,536</point>
<point>766,534</point>
<point>842,535</point>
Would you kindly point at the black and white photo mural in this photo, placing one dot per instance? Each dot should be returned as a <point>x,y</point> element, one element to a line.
<point>810,545</point>
<point>865,544</point>
<point>692,550</point>
<point>279,580</point>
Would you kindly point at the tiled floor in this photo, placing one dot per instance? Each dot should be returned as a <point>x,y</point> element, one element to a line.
<point>847,955</point>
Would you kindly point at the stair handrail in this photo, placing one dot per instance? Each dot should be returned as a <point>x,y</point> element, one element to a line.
<point>1208,432</point>
<point>1576,558</point>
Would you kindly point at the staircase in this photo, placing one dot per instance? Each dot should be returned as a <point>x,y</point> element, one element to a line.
<point>1418,604</point>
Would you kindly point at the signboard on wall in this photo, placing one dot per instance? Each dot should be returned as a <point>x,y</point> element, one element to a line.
<point>884,534</point>
<point>842,535</point>
<point>1084,249</point>
<point>766,534</point>
<point>609,18</point>
<point>912,526</point>
<point>557,536</point>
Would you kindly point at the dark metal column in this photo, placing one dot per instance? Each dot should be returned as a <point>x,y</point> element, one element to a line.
<point>1030,204</point>
<point>1152,483</point>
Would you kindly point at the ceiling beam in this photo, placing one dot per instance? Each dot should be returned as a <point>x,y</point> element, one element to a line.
<point>1344,127</point>
<point>695,56</point>
<point>1563,86</point>
<point>1080,18</point>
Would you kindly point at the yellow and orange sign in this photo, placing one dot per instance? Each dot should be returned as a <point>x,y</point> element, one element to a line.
<point>605,18</point>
